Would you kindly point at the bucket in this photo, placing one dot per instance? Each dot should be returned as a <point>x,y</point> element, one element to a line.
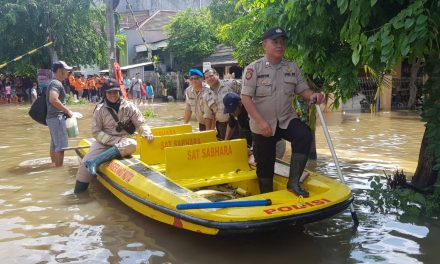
<point>72,127</point>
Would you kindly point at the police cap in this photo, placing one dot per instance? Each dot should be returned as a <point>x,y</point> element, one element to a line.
<point>273,33</point>
<point>195,72</point>
<point>231,102</point>
<point>111,85</point>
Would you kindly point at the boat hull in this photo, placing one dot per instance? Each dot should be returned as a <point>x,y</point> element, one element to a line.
<point>152,193</point>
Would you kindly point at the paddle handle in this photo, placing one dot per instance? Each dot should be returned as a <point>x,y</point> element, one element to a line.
<point>225,204</point>
<point>335,159</point>
<point>330,143</point>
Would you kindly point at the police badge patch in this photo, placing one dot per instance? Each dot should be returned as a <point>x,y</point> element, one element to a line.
<point>249,73</point>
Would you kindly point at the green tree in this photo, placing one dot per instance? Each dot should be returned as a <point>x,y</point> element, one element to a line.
<point>385,32</point>
<point>332,40</point>
<point>244,35</point>
<point>225,11</point>
<point>313,41</point>
<point>192,37</point>
<point>75,26</point>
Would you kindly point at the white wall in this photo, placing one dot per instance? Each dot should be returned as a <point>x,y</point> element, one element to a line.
<point>89,70</point>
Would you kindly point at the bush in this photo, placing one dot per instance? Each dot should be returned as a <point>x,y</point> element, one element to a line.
<point>392,194</point>
<point>70,101</point>
<point>148,113</point>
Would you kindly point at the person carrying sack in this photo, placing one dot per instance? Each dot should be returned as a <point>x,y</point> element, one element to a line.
<point>57,111</point>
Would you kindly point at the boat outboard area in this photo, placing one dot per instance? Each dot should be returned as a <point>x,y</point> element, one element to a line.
<point>192,181</point>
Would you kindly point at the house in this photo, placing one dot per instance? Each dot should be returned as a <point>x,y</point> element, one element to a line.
<point>128,20</point>
<point>147,38</point>
<point>224,63</point>
<point>131,70</point>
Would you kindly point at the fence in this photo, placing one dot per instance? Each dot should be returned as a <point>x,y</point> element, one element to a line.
<point>368,87</point>
<point>400,92</point>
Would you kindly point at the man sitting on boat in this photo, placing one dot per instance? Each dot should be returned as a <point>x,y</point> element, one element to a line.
<point>114,121</point>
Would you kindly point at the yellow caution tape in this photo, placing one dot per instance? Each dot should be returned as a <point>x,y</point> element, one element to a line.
<point>28,53</point>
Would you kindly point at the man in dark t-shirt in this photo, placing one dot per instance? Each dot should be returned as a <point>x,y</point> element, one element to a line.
<point>238,118</point>
<point>57,111</point>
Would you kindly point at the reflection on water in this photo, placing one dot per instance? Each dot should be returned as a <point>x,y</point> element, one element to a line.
<point>41,221</point>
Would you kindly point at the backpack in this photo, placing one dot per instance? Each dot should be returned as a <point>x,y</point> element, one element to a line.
<point>38,110</point>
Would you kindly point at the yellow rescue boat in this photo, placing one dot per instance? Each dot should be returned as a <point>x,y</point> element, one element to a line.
<point>182,170</point>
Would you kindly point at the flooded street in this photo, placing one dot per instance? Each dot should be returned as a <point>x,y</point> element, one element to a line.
<point>41,221</point>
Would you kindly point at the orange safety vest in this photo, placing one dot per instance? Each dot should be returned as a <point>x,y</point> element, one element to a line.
<point>72,83</point>
<point>91,83</point>
<point>82,84</point>
<point>76,85</point>
<point>99,82</point>
<point>72,80</point>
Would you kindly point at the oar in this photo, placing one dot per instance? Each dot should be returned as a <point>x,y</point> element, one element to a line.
<point>224,204</point>
<point>75,148</point>
<point>335,158</point>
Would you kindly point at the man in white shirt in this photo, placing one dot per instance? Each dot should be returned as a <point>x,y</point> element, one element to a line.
<point>136,84</point>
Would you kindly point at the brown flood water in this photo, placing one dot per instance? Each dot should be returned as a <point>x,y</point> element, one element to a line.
<point>41,221</point>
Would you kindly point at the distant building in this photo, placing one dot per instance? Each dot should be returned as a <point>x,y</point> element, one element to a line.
<point>148,18</point>
<point>127,20</point>
<point>223,62</point>
<point>143,25</point>
<point>151,30</point>
<point>156,5</point>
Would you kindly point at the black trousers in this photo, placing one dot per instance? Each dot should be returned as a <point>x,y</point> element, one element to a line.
<point>299,135</point>
<point>221,129</point>
<point>246,134</point>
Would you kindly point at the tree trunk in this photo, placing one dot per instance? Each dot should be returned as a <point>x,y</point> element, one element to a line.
<point>53,55</point>
<point>424,176</point>
<point>412,83</point>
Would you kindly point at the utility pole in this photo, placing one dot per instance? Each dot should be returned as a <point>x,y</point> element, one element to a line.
<point>110,30</point>
<point>52,52</point>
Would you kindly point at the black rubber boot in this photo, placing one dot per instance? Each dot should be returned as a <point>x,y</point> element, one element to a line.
<point>266,185</point>
<point>297,165</point>
<point>80,187</point>
<point>107,155</point>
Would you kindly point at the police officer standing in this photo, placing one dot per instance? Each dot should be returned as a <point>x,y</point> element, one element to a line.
<point>213,105</point>
<point>267,89</point>
<point>194,95</point>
